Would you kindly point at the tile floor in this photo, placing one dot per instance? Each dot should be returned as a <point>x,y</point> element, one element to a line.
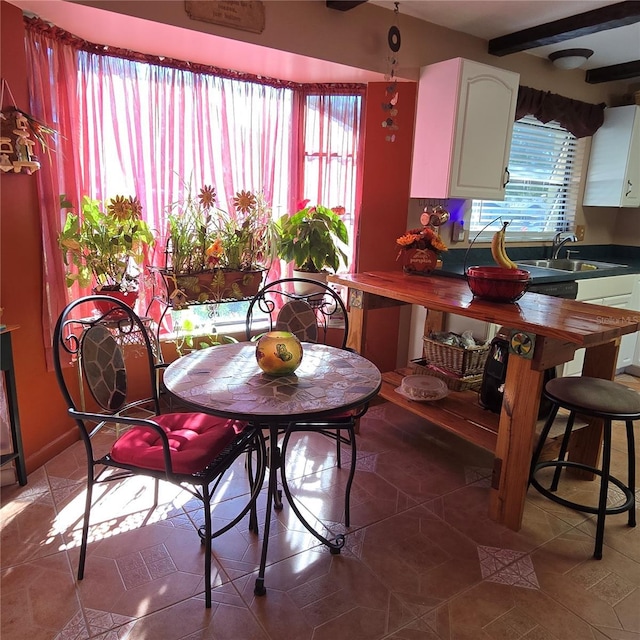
<point>422,560</point>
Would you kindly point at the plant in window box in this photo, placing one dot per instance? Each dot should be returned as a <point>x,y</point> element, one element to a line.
<point>312,239</point>
<point>216,255</point>
<point>106,244</point>
<point>420,250</point>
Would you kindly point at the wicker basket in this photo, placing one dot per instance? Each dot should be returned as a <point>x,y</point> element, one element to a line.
<point>467,383</point>
<point>461,362</point>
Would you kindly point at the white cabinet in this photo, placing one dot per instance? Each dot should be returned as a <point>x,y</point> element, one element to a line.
<point>613,177</point>
<point>622,292</point>
<point>464,122</point>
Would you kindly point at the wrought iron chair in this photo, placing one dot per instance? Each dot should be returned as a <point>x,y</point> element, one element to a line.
<point>314,312</point>
<point>192,450</point>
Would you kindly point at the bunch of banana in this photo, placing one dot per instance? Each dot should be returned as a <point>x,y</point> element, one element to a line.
<point>497,249</point>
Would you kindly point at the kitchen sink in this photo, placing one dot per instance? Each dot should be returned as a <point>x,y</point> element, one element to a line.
<point>565,264</point>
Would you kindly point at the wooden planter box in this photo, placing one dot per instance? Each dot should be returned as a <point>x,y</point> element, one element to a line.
<point>216,286</point>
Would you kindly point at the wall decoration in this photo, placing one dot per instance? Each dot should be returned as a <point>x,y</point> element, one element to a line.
<point>391,94</point>
<point>247,15</point>
<point>19,133</point>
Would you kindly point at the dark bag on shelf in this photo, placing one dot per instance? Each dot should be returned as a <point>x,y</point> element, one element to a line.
<point>495,373</point>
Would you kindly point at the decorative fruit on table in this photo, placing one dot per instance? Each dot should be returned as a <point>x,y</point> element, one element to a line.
<point>278,353</point>
<point>498,251</point>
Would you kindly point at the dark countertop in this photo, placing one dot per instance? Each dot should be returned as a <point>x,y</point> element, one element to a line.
<point>454,262</point>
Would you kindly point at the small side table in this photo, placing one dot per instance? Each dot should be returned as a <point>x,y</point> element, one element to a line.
<point>6,360</point>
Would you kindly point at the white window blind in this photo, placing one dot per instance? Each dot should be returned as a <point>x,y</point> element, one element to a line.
<point>545,165</point>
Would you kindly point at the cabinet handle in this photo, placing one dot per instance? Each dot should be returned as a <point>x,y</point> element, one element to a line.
<point>630,185</point>
<point>508,177</point>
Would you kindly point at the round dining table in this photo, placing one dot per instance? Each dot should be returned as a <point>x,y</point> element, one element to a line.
<point>225,381</point>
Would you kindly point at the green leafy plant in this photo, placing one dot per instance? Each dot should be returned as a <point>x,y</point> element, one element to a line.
<point>203,237</point>
<point>106,243</point>
<point>247,238</point>
<point>311,237</point>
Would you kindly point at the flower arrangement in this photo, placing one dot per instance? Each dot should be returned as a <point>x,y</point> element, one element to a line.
<point>216,255</point>
<point>422,238</point>
<point>107,243</point>
<point>419,250</point>
<point>203,237</point>
<point>311,237</point>
<point>246,239</point>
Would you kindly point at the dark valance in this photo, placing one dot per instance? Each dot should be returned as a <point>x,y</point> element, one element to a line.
<point>580,118</point>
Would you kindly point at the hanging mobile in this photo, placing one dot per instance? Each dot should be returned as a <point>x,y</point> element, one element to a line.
<point>394,39</point>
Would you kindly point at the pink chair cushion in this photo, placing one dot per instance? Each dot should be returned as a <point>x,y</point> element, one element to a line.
<point>195,440</point>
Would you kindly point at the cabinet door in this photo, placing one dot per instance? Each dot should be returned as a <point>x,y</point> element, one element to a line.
<point>631,185</point>
<point>464,122</point>
<point>574,367</point>
<point>613,176</point>
<point>484,127</point>
<point>628,342</point>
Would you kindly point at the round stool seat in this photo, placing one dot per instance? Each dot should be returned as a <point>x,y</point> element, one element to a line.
<point>596,396</point>
<point>605,401</point>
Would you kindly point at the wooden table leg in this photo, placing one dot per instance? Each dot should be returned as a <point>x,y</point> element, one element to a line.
<point>357,321</point>
<point>516,432</point>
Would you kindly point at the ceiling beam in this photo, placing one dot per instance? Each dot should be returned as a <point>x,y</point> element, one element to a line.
<point>343,5</point>
<point>623,71</point>
<point>582,24</point>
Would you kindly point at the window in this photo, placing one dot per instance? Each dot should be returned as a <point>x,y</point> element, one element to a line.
<point>331,142</point>
<point>545,166</point>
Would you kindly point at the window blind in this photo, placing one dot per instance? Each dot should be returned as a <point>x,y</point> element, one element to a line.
<point>545,167</point>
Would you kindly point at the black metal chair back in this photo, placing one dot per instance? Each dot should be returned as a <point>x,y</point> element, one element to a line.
<point>312,311</point>
<point>108,374</point>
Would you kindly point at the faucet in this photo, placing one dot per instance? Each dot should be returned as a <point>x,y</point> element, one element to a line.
<point>558,243</point>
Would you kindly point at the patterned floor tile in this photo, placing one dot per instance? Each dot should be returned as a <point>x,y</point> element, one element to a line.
<point>421,560</point>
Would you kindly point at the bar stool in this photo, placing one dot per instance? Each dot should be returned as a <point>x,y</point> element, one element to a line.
<point>597,398</point>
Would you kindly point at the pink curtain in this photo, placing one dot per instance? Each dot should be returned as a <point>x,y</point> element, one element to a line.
<point>143,126</point>
<point>53,76</point>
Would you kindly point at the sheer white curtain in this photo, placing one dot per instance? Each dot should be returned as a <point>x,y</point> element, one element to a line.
<point>154,132</point>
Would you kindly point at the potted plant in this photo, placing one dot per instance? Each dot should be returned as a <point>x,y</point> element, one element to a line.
<point>216,255</point>
<point>105,244</point>
<point>420,250</point>
<point>311,239</point>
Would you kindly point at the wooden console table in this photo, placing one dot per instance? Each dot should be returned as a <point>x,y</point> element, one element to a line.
<point>556,328</point>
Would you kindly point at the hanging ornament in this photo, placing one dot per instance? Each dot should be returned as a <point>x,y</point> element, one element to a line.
<point>391,94</point>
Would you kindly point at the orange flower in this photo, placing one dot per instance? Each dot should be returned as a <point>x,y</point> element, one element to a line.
<point>207,196</point>
<point>120,208</point>
<point>422,238</point>
<point>438,244</point>
<point>136,207</point>
<point>339,211</point>
<point>215,249</point>
<point>407,239</point>
<point>244,201</point>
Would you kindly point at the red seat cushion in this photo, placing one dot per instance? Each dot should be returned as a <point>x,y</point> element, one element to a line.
<point>195,440</point>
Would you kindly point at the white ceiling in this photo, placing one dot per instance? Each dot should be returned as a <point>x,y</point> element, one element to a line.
<point>489,19</point>
<point>486,19</point>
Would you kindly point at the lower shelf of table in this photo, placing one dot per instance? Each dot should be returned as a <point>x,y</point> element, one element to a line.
<point>459,412</point>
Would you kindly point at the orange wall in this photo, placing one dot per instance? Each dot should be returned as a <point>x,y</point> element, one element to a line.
<point>385,200</point>
<point>46,429</point>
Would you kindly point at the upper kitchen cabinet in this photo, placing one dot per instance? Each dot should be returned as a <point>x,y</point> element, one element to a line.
<point>464,123</point>
<point>613,178</point>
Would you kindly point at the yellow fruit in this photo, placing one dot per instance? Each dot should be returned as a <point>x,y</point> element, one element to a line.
<point>498,250</point>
